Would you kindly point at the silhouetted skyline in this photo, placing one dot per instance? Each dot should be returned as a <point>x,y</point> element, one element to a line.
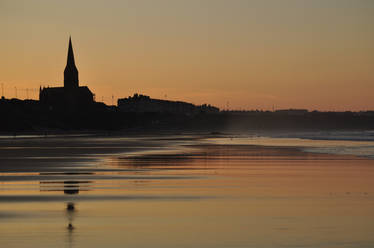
<point>245,54</point>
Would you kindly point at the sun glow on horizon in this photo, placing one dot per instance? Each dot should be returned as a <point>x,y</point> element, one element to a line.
<point>236,55</point>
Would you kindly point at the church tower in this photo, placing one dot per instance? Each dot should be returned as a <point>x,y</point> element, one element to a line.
<point>71,80</point>
<point>71,97</point>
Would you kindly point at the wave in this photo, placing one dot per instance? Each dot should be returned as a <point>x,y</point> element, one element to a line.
<point>357,143</point>
<point>329,135</point>
<point>356,151</point>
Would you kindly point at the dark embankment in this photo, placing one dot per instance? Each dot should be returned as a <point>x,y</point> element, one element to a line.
<point>30,116</point>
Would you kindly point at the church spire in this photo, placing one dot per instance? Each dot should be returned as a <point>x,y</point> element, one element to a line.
<point>70,54</point>
<point>71,71</point>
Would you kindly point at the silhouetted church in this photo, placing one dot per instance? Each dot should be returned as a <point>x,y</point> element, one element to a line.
<point>71,95</point>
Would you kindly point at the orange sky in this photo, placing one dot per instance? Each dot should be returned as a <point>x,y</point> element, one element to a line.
<point>242,54</point>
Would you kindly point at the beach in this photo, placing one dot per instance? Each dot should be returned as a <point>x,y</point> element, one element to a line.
<point>183,191</point>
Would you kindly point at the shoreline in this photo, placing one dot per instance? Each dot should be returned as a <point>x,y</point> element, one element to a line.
<point>88,153</point>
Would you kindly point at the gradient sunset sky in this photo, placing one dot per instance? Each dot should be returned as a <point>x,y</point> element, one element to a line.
<point>316,54</point>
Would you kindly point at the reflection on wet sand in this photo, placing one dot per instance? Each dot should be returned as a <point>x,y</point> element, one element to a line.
<point>70,187</point>
<point>208,196</point>
<point>70,214</point>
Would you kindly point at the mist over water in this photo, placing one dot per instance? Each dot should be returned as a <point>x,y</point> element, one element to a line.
<point>358,143</point>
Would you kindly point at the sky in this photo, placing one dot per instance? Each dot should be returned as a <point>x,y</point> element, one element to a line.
<point>232,54</point>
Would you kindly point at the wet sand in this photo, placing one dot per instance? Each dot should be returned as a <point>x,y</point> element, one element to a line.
<point>180,191</point>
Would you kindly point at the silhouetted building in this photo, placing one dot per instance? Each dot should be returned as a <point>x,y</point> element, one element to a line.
<point>71,95</point>
<point>142,104</point>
